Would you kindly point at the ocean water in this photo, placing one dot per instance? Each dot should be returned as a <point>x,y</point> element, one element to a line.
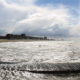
<point>39,52</point>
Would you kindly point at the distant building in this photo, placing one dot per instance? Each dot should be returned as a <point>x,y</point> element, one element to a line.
<point>23,36</point>
<point>45,38</point>
<point>2,37</point>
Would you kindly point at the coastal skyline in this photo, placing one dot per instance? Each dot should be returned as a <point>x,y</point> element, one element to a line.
<point>60,18</point>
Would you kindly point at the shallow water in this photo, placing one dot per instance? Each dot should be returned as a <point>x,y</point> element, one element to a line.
<point>39,52</point>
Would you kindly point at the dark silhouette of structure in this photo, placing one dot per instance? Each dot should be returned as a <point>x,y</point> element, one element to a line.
<point>45,37</point>
<point>22,36</point>
<point>2,37</point>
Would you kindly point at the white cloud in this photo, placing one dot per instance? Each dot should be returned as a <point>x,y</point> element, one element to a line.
<point>45,19</point>
<point>75,29</point>
<point>23,16</point>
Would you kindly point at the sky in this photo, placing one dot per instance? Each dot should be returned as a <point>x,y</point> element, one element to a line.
<point>55,18</point>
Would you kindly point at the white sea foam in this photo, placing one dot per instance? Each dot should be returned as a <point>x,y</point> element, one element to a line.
<point>40,51</point>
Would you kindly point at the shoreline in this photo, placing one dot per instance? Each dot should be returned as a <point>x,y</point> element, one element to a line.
<point>20,40</point>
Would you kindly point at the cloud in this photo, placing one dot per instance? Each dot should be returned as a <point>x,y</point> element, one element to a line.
<point>43,21</point>
<point>75,29</point>
<point>24,16</point>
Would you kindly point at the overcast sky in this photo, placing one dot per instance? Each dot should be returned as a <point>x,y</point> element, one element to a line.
<point>60,18</point>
